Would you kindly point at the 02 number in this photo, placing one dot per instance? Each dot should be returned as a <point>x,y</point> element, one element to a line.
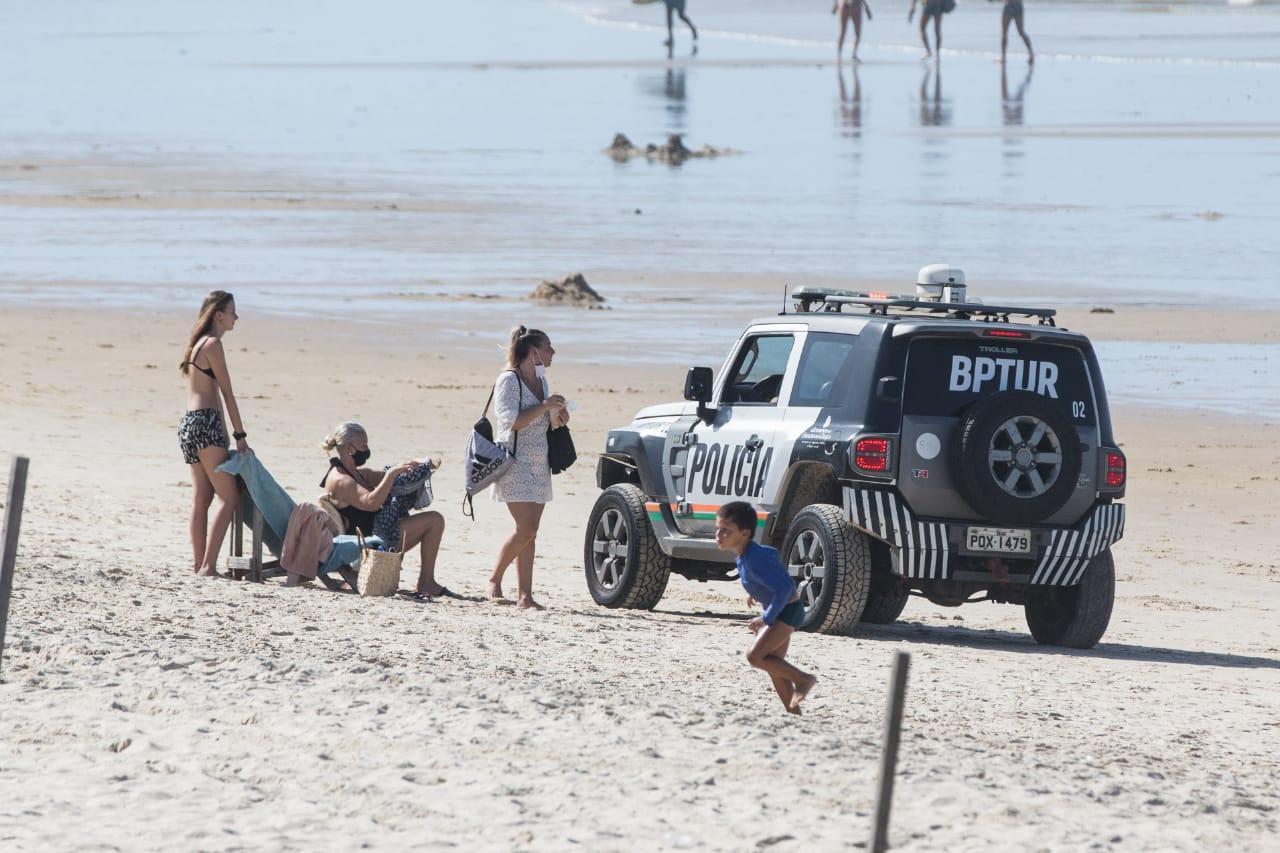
<point>1077,409</point>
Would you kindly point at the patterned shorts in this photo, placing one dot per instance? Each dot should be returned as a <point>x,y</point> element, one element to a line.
<point>200,429</point>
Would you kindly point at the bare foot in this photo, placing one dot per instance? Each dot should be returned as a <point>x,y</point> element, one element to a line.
<point>208,573</point>
<point>526,602</point>
<point>495,594</point>
<point>794,709</point>
<point>803,689</point>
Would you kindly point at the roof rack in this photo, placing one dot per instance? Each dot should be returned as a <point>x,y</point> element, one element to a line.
<point>810,300</point>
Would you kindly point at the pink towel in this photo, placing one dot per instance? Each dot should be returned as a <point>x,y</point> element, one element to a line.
<point>308,540</point>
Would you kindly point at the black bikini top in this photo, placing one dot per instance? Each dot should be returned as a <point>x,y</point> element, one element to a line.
<point>355,518</point>
<point>207,371</point>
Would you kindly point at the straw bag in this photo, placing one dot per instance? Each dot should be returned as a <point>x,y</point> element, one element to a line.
<point>379,570</point>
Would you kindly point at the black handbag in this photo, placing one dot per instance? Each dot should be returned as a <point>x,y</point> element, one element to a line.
<point>560,450</point>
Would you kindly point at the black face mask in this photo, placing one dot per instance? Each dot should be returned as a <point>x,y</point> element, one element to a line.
<point>361,456</point>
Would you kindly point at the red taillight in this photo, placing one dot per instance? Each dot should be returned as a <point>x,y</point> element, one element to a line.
<point>1005,333</point>
<point>871,454</point>
<point>1115,469</point>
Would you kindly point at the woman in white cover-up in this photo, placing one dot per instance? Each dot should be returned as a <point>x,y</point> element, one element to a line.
<point>524,411</point>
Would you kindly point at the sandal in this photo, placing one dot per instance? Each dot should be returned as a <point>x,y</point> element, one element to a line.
<point>414,595</point>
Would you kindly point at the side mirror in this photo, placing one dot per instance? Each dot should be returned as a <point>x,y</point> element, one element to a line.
<point>697,385</point>
<point>889,389</point>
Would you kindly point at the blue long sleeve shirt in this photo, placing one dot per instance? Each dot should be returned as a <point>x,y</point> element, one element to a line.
<point>765,579</point>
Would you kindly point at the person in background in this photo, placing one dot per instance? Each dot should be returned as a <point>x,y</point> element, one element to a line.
<point>676,7</point>
<point>1013,13</point>
<point>202,432</point>
<point>850,10</point>
<point>524,411</point>
<point>933,9</point>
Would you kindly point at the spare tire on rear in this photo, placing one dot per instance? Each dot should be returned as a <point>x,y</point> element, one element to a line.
<point>1017,457</point>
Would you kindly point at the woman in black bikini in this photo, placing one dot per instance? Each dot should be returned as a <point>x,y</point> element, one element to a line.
<point>201,432</point>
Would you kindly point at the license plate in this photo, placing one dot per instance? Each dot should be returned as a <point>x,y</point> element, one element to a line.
<point>998,540</point>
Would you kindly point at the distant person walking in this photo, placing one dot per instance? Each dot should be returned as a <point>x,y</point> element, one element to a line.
<point>525,411</point>
<point>1013,12</point>
<point>202,432</point>
<point>933,9</point>
<point>850,10</point>
<point>767,583</point>
<point>676,7</point>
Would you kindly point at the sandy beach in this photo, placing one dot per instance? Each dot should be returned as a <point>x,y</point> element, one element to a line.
<point>162,711</point>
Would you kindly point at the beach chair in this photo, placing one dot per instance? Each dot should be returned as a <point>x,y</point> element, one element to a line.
<point>264,509</point>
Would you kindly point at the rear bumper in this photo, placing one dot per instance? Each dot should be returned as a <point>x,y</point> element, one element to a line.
<point>929,550</point>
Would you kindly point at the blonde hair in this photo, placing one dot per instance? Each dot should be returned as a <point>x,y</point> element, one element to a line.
<point>523,340</point>
<point>342,434</point>
<point>216,301</point>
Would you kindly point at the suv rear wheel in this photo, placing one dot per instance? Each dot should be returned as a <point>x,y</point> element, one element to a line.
<point>1018,457</point>
<point>886,601</point>
<point>831,565</point>
<point>624,565</point>
<point>1075,616</point>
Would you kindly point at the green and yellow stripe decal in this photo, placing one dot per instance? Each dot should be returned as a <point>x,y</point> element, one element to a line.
<point>701,512</point>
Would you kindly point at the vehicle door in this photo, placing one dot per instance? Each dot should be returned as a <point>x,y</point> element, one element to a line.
<point>732,457</point>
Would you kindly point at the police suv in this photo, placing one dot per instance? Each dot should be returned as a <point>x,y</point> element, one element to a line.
<point>926,445</point>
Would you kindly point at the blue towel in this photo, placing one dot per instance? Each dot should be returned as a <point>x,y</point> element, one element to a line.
<point>276,506</point>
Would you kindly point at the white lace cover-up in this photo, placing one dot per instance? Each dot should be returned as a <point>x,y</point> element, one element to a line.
<point>529,480</point>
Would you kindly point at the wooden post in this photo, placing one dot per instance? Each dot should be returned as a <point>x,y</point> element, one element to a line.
<point>12,526</point>
<point>889,757</point>
<point>255,565</point>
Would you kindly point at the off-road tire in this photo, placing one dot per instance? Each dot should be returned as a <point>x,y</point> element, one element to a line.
<point>885,601</point>
<point>1075,616</point>
<point>643,580</point>
<point>974,476</point>
<point>847,568</point>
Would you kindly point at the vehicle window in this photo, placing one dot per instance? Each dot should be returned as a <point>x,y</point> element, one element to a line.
<point>945,376</point>
<point>823,376</point>
<point>757,376</point>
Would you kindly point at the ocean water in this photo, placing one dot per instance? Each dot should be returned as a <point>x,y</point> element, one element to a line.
<point>368,159</point>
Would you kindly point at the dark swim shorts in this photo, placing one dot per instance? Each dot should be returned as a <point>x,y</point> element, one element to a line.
<point>198,429</point>
<point>792,614</point>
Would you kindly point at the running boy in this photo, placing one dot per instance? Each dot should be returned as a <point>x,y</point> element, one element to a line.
<point>766,582</point>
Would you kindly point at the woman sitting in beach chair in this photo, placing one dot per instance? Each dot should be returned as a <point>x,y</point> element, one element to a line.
<point>380,503</point>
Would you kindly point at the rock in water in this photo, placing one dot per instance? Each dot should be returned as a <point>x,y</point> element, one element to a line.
<point>570,290</point>
<point>673,152</point>
<point>621,147</point>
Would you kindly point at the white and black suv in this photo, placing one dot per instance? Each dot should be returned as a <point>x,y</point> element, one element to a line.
<point>923,445</point>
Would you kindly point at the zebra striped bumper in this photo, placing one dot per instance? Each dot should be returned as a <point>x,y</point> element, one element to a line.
<point>924,547</point>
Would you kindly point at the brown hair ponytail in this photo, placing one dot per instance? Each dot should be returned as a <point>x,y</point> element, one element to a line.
<point>523,340</point>
<point>216,301</point>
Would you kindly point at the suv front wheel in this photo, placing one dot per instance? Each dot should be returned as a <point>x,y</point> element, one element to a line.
<point>1075,616</point>
<point>624,565</point>
<point>831,565</point>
